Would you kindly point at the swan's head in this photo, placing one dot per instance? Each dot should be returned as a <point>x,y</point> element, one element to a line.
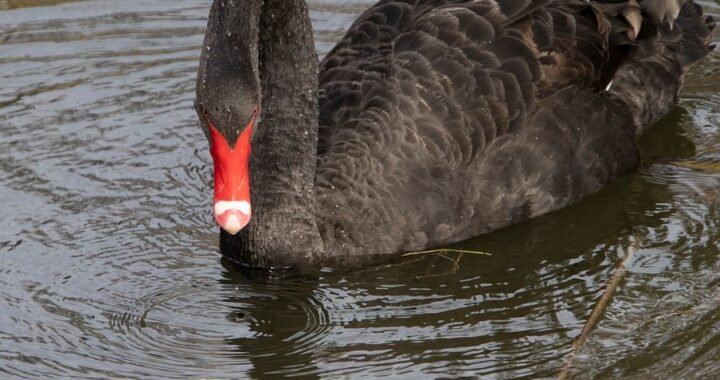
<point>227,103</point>
<point>228,123</point>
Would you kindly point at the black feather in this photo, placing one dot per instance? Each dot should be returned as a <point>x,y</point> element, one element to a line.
<point>508,100</point>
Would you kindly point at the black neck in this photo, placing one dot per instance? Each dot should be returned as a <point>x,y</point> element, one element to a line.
<point>282,230</point>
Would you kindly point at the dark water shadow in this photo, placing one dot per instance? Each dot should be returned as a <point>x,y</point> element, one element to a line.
<point>284,320</point>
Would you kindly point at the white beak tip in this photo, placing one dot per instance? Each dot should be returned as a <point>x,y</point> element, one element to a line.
<point>232,216</point>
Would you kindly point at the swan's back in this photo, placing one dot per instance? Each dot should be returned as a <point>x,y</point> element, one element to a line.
<point>444,119</point>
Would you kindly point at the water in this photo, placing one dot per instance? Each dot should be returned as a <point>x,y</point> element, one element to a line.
<point>108,255</point>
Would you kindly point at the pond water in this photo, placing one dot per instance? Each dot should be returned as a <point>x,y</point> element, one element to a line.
<point>109,264</point>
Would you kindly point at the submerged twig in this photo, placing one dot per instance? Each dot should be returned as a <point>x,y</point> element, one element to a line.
<point>442,254</point>
<point>447,250</point>
<point>455,268</point>
<point>599,309</point>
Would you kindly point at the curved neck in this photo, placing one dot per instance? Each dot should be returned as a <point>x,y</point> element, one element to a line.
<point>282,230</point>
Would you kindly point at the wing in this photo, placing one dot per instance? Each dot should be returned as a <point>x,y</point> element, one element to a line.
<point>421,102</point>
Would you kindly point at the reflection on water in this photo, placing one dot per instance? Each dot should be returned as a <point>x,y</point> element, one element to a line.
<point>109,263</point>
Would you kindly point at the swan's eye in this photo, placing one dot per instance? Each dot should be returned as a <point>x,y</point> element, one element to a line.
<point>204,111</point>
<point>255,112</point>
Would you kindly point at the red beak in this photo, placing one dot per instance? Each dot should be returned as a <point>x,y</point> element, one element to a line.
<point>232,179</point>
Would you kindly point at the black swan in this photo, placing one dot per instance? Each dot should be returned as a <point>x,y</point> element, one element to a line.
<point>431,121</point>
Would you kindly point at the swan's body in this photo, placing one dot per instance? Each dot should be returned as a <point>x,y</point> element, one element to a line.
<point>432,121</point>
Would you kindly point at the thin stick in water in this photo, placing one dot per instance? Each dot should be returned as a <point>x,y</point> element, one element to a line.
<point>600,308</point>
